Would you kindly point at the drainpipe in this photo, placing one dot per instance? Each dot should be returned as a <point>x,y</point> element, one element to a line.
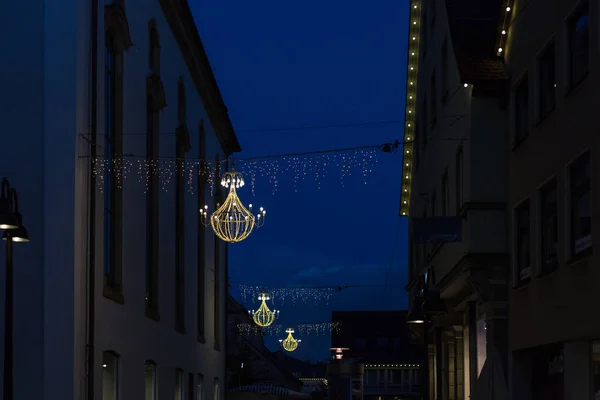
<point>91,292</point>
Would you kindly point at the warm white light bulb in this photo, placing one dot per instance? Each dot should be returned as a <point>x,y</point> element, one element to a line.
<point>466,85</point>
<point>507,9</point>
<point>499,49</point>
<point>503,32</point>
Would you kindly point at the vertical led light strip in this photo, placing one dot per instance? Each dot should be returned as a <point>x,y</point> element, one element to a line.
<point>411,99</point>
<point>504,29</point>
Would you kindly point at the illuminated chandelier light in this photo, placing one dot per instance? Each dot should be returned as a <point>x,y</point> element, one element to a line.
<point>263,316</point>
<point>232,222</point>
<point>290,343</point>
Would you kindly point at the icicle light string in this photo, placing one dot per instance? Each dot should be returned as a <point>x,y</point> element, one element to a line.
<point>297,167</point>
<point>318,328</point>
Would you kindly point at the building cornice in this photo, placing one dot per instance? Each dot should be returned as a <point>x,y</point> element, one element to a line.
<point>412,68</point>
<point>183,27</point>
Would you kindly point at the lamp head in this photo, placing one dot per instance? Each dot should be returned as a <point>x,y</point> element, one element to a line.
<point>416,315</point>
<point>8,220</point>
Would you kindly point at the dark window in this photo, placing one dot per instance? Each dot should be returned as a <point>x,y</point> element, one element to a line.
<point>150,380</point>
<point>179,391</point>
<point>217,267</point>
<point>579,44</point>
<point>424,124</point>
<point>547,81</point>
<point>110,376</point>
<point>445,70</point>
<point>581,204</point>
<point>201,244</point>
<point>549,227</point>
<point>113,150</point>
<point>180,169</point>
<point>445,195</point>
<point>521,110</point>
<point>459,180</point>
<point>523,241</point>
<point>434,99</point>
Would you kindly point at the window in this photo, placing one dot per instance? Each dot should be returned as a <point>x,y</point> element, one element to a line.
<point>547,81</point>
<point>596,368</point>
<point>424,124</point>
<point>217,392</point>
<point>150,379</point>
<point>521,110</point>
<point>217,269</point>
<point>549,227</point>
<point>481,343</point>
<point>459,180</point>
<point>445,70</point>
<point>110,376</point>
<point>178,385</point>
<point>578,28</point>
<point>433,101</point>
<point>113,150</point>
<point>181,148</point>
<point>201,236</point>
<point>580,196</point>
<point>523,241</point>
<point>445,196</point>
<point>200,388</point>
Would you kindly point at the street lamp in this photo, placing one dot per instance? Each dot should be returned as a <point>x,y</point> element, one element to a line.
<point>11,222</point>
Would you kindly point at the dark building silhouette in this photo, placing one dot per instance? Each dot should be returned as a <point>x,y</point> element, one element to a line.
<point>380,340</point>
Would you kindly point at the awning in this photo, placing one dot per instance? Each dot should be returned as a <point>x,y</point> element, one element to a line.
<point>491,384</point>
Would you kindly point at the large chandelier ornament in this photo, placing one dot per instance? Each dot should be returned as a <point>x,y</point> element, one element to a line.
<point>232,222</point>
<point>290,343</point>
<point>264,317</point>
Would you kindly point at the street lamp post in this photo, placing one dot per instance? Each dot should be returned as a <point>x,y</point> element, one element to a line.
<point>11,222</point>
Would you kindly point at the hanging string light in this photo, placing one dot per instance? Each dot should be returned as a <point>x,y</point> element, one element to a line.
<point>290,343</point>
<point>263,316</point>
<point>246,329</point>
<point>296,294</point>
<point>232,222</point>
<point>321,328</point>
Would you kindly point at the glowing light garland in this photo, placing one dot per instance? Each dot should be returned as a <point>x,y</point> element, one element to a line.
<point>232,222</point>
<point>297,294</point>
<point>322,328</point>
<point>263,317</point>
<point>296,169</point>
<point>290,343</point>
<point>246,329</point>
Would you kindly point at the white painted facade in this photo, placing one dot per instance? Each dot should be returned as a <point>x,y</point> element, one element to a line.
<point>44,108</point>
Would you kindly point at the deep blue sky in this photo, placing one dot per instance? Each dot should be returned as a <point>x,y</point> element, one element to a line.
<point>305,63</point>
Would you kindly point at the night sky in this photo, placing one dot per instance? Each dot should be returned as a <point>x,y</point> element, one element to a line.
<point>282,64</point>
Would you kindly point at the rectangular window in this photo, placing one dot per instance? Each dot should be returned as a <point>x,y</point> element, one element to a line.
<point>191,384</point>
<point>445,196</point>
<point>523,241</point>
<point>578,29</point>
<point>201,243</point>
<point>180,234</point>
<point>581,204</point>
<point>549,227</point>
<point>547,81</point>
<point>150,380</point>
<point>110,376</point>
<point>445,70</point>
<point>459,180</point>
<point>424,123</point>
<point>217,270</point>
<point>217,392</point>
<point>200,388</point>
<point>152,208</point>
<point>113,151</point>
<point>521,110</point>
<point>178,395</point>
<point>434,99</point>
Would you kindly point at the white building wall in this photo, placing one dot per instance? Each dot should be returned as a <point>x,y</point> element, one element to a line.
<point>44,106</point>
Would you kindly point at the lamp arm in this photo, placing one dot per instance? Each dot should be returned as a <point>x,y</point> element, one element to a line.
<point>5,189</point>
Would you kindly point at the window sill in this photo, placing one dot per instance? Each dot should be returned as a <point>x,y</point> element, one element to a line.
<point>152,313</point>
<point>201,338</point>
<point>114,293</point>
<point>575,85</point>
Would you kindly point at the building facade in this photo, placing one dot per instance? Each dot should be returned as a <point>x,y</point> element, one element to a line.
<point>380,340</point>
<point>552,165</point>
<point>121,292</point>
<point>454,168</point>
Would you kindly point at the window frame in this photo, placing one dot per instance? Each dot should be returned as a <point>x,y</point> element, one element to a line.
<point>572,242</point>
<point>522,274</point>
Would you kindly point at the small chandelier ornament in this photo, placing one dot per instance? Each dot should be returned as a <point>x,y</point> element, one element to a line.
<point>263,316</point>
<point>290,343</point>
<point>232,222</point>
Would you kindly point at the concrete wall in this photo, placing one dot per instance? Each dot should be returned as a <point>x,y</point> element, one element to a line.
<point>550,309</point>
<point>44,107</point>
